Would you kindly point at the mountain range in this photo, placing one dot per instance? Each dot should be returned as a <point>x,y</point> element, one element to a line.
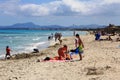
<point>30,25</point>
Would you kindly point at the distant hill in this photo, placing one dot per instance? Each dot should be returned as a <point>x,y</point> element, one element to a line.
<point>25,25</point>
<point>31,25</point>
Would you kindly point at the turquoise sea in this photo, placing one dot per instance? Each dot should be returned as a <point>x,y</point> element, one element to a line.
<point>24,41</point>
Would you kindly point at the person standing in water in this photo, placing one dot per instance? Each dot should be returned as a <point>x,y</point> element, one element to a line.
<point>74,33</point>
<point>7,52</point>
<point>79,45</point>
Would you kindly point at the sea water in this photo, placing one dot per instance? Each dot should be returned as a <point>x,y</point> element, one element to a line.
<point>24,41</point>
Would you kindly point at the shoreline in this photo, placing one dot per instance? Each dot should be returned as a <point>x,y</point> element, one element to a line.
<point>24,55</point>
<point>25,41</point>
<point>43,51</point>
<point>100,62</point>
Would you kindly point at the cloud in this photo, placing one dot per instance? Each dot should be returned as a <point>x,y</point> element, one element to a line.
<point>9,7</point>
<point>76,6</point>
<point>62,7</point>
<point>34,10</point>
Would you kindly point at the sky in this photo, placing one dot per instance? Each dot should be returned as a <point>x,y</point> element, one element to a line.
<point>60,12</point>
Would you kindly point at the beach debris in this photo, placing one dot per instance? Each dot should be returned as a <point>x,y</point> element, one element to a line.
<point>20,56</point>
<point>97,70</point>
<point>27,55</point>
<point>11,70</point>
<point>107,67</point>
<point>97,78</point>
<point>13,78</point>
<point>38,60</point>
<point>94,71</point>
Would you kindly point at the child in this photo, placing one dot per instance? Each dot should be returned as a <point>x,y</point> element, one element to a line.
<point>7,52</point>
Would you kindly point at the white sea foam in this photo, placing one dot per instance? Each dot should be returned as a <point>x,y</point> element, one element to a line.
<point>36,39</point>
<point>30,47</point>
<point>26,40</point>
<point>2,56</point>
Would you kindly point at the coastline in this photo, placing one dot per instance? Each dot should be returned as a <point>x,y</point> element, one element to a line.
<point>42,51</point>
<point>100,62</point>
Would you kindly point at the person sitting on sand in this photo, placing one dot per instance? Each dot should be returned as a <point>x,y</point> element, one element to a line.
<point>62,55</point>
<point>79,45</point>
<point>62,52</point>
<point>7,52</point>
<point>97,36</point>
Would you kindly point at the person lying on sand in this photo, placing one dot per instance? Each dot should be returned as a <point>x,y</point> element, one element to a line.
<point>107,39</point>
<point>56,58</point>
<point>62,55</point>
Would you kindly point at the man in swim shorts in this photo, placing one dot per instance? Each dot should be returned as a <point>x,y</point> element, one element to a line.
<point>79,46</point>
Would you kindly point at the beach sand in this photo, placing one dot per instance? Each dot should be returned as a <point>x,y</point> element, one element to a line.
<point>101,61</point>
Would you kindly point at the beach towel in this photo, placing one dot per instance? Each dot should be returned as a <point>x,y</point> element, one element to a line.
<point>61,60</point>
<point>56,61</point>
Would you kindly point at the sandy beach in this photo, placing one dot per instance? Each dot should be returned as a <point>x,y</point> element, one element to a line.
<point>101,61</point>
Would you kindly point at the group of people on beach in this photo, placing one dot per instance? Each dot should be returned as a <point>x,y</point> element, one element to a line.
<point>57,36</point>
<point>64,54</point>
<point>108,38</point>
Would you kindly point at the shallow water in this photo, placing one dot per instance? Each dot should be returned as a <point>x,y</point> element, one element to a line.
<point>26,40</point>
